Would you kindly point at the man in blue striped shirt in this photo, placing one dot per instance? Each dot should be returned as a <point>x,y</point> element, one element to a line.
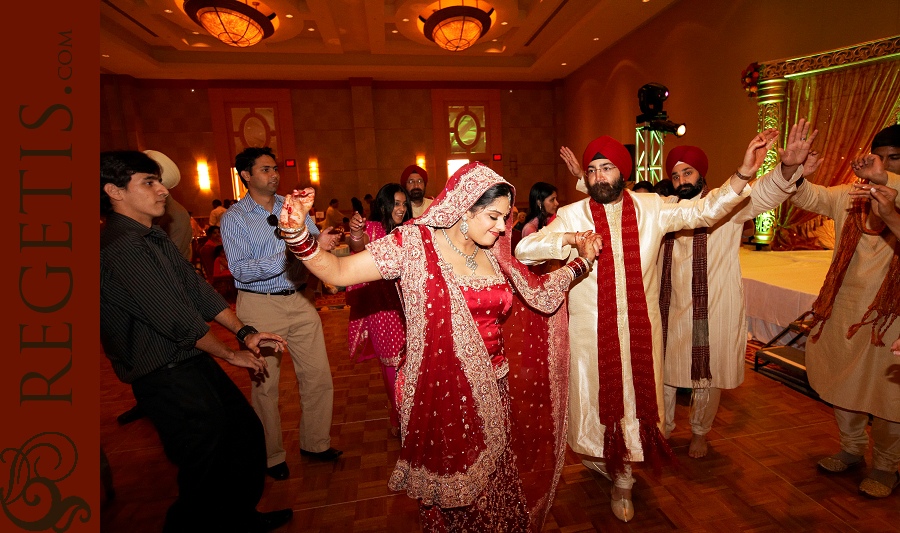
<point>269,299</point>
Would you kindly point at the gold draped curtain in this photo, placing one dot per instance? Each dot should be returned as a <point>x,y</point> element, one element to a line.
<point>848,107</point>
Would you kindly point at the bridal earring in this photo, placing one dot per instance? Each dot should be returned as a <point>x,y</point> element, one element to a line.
<point>464,228</point>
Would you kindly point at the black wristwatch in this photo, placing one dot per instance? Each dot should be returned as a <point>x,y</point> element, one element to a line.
<point>244,331</point>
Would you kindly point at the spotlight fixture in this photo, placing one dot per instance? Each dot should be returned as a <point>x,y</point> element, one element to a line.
<point>650,98</point>
<point>457,27</point>
<point>230,21</point>
<point>668,126</point>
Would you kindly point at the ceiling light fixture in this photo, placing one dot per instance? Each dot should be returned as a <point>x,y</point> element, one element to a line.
<point>234,23</point>
<point>457,27</point>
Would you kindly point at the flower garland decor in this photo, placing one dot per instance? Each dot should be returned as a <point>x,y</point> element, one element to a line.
<point>750,79</point>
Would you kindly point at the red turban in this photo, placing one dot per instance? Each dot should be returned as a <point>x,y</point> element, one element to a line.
<point>413,169</point>
<point>691,155</point>
<point>610,149</point>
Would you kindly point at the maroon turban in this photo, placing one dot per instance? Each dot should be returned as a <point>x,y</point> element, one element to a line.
<point>413,169</point>
<point>691,155</point>
<point>610,149</point>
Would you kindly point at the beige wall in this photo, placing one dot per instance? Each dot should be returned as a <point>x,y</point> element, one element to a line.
<point>363,134</point>
<point>698,48</point>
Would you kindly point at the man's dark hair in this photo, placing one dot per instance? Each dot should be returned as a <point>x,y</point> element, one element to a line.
<point>889,136</point>
<point>664,187</point>
<point>227,203</point>
<point>209,230</point>
<point>216,203</point>
<point>246,159</point>
<point>333,201</point>
<point>643,185</point>
<point>367,197</point>
<point>117,167</point>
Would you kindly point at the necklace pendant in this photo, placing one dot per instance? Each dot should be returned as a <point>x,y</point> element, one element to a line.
<point>471,264</point>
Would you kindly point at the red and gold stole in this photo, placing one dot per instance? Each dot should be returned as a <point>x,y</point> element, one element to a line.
<point>701,375</point>
<point>610,353</point>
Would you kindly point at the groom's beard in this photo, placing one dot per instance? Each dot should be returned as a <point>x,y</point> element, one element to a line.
<point>604,193</point>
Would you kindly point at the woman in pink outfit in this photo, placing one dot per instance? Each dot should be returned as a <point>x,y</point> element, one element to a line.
<point>377,328</point>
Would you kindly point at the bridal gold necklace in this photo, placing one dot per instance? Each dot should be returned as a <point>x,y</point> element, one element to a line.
<point>470,259</point>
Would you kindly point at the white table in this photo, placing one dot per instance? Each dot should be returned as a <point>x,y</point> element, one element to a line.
<point>780,286</point>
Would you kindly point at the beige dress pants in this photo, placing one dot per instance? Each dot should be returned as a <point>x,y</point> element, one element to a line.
<point>885,434</point>
<point>295,318</point>
<point>704,405</point>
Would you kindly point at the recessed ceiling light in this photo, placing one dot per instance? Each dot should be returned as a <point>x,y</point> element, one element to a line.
<point>310,29</point>
<point>167,10</point>
<point>104,55</point>
<point>394,31</point>
<point>196,32</point>
<point>289,16</point>
<point>596,38</point>
<point>563,64</point>
<point>504,23</point>
<point>645,1</point>
<point>493,40</point>
<point>405,20</point>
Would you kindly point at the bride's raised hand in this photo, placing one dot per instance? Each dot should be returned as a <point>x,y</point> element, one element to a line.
<point>296,206</point>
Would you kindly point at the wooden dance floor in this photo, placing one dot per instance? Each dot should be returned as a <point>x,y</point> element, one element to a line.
<point>760,474</point>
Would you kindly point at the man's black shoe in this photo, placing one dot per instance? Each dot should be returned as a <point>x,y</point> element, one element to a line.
<point>328,455</point>
<point>269,521</point>
<point>135,413</point>
<point>279,471</point>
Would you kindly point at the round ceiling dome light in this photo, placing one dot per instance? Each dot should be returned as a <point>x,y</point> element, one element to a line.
<point>456,28</point>
<point>232,22</point>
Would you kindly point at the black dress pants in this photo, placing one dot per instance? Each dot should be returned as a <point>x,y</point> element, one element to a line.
<point>214,437</point>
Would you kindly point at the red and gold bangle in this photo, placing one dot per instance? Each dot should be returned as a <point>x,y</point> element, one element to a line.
<point>579,267</point>
<point>314,251</point>
<point>355,238</point>
<point>299,248</point>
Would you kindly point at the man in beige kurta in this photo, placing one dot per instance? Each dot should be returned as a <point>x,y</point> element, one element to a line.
<point>655,218</point>
<point>727,323</point>
<point>853,374</point>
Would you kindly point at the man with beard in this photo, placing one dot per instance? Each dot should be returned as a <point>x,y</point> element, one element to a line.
<point>615,331</point>
<point>414,178</point>
<point>704,338</point>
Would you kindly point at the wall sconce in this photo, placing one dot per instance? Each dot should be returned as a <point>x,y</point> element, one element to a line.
<point>420,162</point>
<point>313,170</point>
<point>203,175</point>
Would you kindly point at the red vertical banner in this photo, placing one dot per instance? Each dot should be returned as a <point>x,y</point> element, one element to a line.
<point>49,390</point>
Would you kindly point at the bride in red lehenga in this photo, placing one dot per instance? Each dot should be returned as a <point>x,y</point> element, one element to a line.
<point>483,388</point>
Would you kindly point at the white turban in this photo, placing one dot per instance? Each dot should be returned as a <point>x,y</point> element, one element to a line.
<point>169,173</point>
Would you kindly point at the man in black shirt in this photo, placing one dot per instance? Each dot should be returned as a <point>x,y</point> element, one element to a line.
<point>154,310</point>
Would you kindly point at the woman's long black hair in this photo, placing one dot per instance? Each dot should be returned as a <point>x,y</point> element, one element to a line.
<point>384,205</point>
<point>540,191</point>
